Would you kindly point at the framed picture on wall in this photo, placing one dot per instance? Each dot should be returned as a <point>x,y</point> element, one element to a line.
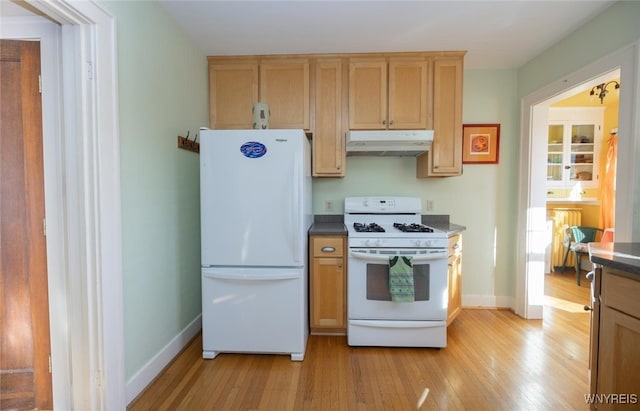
<point>480,143</point>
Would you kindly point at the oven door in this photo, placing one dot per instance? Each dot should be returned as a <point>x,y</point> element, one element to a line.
<point>368,285</point>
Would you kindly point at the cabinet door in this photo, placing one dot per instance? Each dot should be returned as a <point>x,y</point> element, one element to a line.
<point>233,89</point>
<point>573,147</point>
<point>328,293</point>
<point>408,94</point>
<point>328,137</point>
<point>619,358</point>
<point>368,94</point>
<point>455,277</point>
<point>284,86</point>
<point>327,285</point>
<point>444,158</point>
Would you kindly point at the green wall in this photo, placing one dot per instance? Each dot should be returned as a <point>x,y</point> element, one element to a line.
<point>162,93</point>
<point>614,28</point>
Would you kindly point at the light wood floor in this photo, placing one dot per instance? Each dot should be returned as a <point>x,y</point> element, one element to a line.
<point>494,360</point>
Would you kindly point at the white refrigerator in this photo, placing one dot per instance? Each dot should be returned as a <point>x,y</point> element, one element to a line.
<point>255,193</point>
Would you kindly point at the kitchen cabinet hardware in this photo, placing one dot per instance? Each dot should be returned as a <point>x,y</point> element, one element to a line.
<point>328,249</point>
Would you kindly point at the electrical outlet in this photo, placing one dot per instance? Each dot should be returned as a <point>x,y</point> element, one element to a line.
<point>430,205</point>
<point>328,205</point>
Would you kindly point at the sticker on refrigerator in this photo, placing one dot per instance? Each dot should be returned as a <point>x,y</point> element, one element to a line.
<point>253,149</point>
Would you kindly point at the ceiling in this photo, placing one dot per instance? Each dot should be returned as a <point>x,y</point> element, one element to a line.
<point>495,34</point>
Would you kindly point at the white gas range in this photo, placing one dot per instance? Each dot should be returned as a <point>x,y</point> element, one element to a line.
<point>381,230</point>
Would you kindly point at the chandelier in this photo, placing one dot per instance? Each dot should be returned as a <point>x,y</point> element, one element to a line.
<point>601,90</point>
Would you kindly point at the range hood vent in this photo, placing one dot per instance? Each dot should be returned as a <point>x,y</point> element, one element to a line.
<point>407,143</point>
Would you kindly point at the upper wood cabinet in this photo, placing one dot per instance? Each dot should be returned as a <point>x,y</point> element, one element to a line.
<point>444,158</point>
<point>328,129</point>
<point>330,94</point>
<point>284,86</point>
<point>388,93</point>
<point>236,84</point>
<point>233,89</point>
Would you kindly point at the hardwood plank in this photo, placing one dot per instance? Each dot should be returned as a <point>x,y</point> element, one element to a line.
<point>493,360</point>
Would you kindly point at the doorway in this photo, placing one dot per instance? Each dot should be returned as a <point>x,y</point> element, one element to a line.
<point>82,199</point>
<point>532,197</point>
<point>580,128</point>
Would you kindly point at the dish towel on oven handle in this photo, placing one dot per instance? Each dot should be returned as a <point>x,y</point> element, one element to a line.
<point>401,279</point>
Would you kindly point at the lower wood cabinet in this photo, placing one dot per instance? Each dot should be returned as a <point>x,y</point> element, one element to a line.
<point>328,285</point>
<point>615,358</point>
<point>455,277</point>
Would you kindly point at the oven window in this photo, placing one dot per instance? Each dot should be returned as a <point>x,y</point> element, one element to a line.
<point>378,282</point>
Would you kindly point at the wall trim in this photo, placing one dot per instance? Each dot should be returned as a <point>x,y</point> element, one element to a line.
<point>150,371</point>
<point>487,301</point>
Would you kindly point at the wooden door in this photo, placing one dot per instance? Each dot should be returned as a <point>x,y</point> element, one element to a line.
<point>408,94</point>
<point>328,138</point>
<point>25,379</point>
<point>368,94</point>
<point>284,86</point>
<point>233,89</point>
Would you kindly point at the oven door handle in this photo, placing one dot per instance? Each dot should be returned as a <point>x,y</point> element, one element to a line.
<point>397,324</point>
<point>415,259</point>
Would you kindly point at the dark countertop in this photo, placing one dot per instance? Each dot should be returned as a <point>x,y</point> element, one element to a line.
<point>334,224</point>
<point>328,225</point>
<point>622,256</point>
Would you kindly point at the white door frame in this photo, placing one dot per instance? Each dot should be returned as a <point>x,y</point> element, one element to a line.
<point>531,223</point>
<point>82,200</point>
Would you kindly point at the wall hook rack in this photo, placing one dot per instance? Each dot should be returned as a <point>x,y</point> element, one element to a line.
<point>191,145</point>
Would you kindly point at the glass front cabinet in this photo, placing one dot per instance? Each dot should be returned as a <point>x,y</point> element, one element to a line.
<point>573,147</point>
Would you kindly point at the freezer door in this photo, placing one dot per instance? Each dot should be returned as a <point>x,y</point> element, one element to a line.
<point>252,197</point>
<point>254,310</point>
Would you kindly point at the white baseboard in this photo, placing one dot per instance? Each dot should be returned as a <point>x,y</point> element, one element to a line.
<point>141,379</point>
<point>488,301</point>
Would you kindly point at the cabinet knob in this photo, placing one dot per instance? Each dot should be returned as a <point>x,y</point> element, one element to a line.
<point>587,308</point>
<point>328,249</point>
<point>456,246</point>
<point>384,122</point>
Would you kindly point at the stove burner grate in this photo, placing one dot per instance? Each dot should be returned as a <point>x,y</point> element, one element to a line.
<point>413,228</point>
<point>368,228</point>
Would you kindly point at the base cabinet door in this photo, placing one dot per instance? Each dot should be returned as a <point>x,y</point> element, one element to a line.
<point>619,361</point>
<point>455,277</point>
<point>328,286</point>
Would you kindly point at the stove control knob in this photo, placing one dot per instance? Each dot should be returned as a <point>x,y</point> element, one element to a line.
<point>427,243</point>
<point>366,243</point>
<point>378,243</point>
<point>417,243</point>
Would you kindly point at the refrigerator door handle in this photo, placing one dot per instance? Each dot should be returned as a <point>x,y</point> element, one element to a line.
<point>250,277</point>
<point>297,205</point>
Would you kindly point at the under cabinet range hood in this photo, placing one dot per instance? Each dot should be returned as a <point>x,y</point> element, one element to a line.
<point>408,143</point>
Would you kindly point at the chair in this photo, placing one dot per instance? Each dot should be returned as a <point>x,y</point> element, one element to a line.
<point>577,238</point>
